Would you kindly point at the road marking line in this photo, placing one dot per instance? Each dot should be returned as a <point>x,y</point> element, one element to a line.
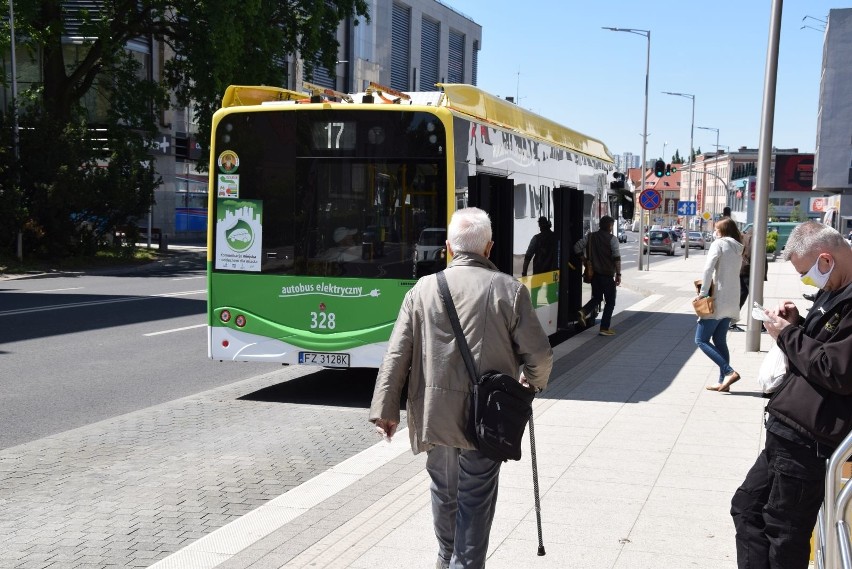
<point>190,278</point>
<point>56,289</point>
<point>174,330</point>
<point>185,293</point>
<point>97,302</point>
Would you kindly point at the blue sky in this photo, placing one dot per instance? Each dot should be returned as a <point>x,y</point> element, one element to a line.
<point>554,55</point>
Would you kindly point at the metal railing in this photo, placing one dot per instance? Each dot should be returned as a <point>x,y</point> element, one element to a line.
<point>832,544</point>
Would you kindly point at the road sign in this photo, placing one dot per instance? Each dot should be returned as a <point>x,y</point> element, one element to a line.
<point>686,208</point>
<point>706,215</point>
<point>649,199</point>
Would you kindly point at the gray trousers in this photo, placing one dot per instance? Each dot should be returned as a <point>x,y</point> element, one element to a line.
<point>464,496</point>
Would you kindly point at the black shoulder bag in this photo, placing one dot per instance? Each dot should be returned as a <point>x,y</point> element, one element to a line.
<point>500,406</point>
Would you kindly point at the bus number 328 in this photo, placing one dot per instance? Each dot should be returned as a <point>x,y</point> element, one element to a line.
<point>322,320</point>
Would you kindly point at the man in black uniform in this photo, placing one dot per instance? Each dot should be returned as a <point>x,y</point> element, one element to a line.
<point>810,413</point>
<point>541,250</point>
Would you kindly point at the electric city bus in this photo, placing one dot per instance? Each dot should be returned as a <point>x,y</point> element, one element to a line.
<point>325,209</point>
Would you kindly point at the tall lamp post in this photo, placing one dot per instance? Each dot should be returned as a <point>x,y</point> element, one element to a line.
<point>691,146</point>
<point>647,34</point>
<point>715,197</point>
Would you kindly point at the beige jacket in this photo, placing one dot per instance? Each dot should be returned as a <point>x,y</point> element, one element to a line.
<point>502,331</point>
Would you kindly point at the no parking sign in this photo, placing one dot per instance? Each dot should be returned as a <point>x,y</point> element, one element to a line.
<point>649,199</point>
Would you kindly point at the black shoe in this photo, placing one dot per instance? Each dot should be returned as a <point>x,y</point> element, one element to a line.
<point>734,328</point>
<point>811,297</point>
<point>581,317</point>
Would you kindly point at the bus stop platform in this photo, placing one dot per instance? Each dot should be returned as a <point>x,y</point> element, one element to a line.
<point>637,461</point>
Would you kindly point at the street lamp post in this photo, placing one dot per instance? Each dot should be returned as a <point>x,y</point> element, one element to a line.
<point>647,34</point>
<point>691,158</point>
<point>715,197</point>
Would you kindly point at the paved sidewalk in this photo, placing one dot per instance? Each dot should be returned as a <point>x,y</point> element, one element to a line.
<point>637,461</point>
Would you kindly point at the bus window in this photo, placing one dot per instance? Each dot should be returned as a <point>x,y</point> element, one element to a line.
<point>344,197</point>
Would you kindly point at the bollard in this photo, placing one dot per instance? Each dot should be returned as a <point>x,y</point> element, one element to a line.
<point>164,242</point>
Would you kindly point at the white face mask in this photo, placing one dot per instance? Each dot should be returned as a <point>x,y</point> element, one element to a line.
<point>815,278</point>
<point>716,235</point>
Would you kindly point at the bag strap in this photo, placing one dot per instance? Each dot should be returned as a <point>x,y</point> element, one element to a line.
<point>444,291</point>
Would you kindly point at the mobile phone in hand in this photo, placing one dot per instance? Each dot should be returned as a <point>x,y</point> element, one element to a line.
<point>758,313</point>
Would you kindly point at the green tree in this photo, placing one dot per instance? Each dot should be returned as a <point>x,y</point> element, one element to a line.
<point>677,159</point>
<point>796,214</point>
<point>87,123</point>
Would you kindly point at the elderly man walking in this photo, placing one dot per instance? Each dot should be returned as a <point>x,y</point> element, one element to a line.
<point>504,335</point>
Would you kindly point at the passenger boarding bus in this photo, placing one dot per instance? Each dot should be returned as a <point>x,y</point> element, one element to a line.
<point>325,209</point>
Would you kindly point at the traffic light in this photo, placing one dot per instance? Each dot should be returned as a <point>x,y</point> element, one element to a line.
<point>668,169</point>
<point>660,168</point>
<point>674,168</point>
<point>626,207</point>
<point>618,183</point>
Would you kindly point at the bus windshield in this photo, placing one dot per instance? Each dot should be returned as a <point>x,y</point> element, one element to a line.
<point>332,193</point>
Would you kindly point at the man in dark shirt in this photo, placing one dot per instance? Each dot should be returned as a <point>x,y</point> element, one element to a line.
<point>541,250</point>
<point>808,416</point>
<point>601,246</point>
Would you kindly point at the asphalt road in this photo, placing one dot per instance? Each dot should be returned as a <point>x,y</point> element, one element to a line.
<point>77,348</point>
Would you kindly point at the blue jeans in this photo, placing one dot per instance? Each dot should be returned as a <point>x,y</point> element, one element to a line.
<point>464,496</point>
<point>717,331</point>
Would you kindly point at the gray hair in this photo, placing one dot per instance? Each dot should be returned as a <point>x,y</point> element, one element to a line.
<point>469,231</point>
<point>812,237</point>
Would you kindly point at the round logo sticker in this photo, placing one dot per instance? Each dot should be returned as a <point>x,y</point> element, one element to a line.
<point>228,162</point>
<point>240,237</point>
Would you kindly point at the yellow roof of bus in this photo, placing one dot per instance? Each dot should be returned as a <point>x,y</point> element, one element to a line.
<point>463,99</point>
<point>476,103</point>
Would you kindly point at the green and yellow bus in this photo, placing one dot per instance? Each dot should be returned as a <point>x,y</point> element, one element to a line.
<point>326,208</point>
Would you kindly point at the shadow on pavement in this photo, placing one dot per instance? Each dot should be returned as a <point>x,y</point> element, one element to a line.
<point>339,388</point>
<point>34,315</point>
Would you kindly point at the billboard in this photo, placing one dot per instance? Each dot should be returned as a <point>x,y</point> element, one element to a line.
<point>794,172</point>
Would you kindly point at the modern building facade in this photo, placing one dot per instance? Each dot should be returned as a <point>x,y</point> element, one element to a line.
<point>625,161</point>
<point>833,160</point>
<point>409,46</point>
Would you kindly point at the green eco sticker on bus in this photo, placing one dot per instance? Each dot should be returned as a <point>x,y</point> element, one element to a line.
<point>239,232</point>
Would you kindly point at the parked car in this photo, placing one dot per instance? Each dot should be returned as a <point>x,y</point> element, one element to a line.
<point>696,240</point>
<point>430,254</point>
<point>660,241</point>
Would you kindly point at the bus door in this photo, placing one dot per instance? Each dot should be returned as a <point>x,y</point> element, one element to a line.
<point>494,195</point>
<point>568,205</point>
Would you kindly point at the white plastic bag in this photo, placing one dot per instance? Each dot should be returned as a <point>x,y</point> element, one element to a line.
<point>772,369</point>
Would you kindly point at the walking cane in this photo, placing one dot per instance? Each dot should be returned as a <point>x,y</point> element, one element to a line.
<point>535,486</point>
